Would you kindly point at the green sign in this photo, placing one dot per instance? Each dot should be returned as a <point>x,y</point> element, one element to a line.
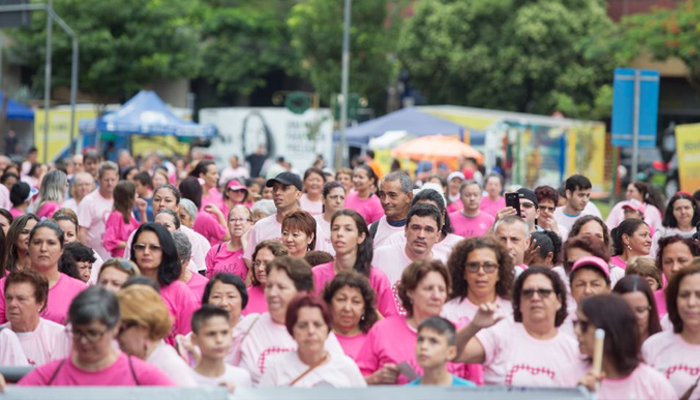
<point>297,102</point>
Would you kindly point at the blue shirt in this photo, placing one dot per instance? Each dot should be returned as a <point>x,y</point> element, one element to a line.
<point>456,382</point>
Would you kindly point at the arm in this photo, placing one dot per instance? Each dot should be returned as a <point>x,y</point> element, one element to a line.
<point>82,235</point>
<point>505,212</point>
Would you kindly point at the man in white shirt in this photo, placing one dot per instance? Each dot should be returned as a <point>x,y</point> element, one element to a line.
<point>395,194</point>
<point>234,171</point>
<point>578,195</point>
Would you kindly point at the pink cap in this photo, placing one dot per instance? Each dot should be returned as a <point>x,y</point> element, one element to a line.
<point>234,185</point>
<point>635,205</point>
<point>592,261</point>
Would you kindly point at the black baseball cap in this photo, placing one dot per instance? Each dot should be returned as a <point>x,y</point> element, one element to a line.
<point>286,178</point>
<point>526,193</point>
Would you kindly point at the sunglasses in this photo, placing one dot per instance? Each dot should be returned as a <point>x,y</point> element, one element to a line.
<point>474,267</point>
<point>142,247</point>
<point>543,293</point>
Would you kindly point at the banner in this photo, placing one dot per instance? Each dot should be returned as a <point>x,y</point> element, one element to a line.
<point>586,154</point>
<point>688,148</point>
<point>59,130</point>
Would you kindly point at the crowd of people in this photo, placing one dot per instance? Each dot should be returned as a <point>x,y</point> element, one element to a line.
<point>176,273</point>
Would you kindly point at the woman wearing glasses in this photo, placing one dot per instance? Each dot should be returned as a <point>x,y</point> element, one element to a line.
<point>228,256</point>
<point>529,351</point>
<point>94,323</point>
<point>264,253</point>
<point>154,252</point>
<point>482,272</point>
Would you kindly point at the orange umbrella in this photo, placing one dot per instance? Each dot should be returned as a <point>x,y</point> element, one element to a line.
<point>436,148</point>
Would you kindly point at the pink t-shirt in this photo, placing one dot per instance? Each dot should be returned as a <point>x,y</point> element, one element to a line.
<point>58,302</point>
<point>118,231</point>
<point>269,229</point>
<point>220,259</point>
<point>207,226</point>
<point>393,341</point>
<point>352,344</point>
<point>117,374</point>
<point>660,298</point>
<point>386,231</point>
<point>514,358</point>
<point>324,273</point>
<point>47,209</point>
<point>214,197</point>
<point>461,312</point>
<point>311,207</point>
<point>93,213</point>
<point>267,338</point>
<point>370,208</point>
<point>197,284</point>
<point>181,303</point>
<point>643,383</point>
<point>492,207</point>
<point>471,226</point>
<point>455,206</point>
<point>675,359</point>
<point>47,342</point>
<point>619,262</point>
<point>257,304</point>
<point>325,226</point>
<point>16,213</point>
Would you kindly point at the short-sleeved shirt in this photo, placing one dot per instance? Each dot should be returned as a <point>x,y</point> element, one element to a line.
<point>337,371</point>
<point>58,301</point>
<point>93,212</point>
<point>674,358</point>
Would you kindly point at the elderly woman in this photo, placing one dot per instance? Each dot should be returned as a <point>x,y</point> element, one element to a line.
<point>625,376</point>
<point>351,300</point>
<point>187,213</point>
<point>675,353</point>
<point>308,321</point>
<point>353,248</point>
<point>45,250</point>
<point>482,272</point>
<point>264,253</point>
<point>145,322</point>
<point>636,292</point>
<point>529,351</point>
<point>83,184</point>
<point>287,277</point>
<point>263,209</point>
<point>228,256</point>
<point>423,290</point>
<point>94,321</point>
<point>17,244</point>
<point>115,272</point>
<point>154,252</point>
<point>299,233</point>
<point>193,280</point>
<point>675,253</point>
<point>333,200</point>
<point>41,340</point>
<point>631,239</point>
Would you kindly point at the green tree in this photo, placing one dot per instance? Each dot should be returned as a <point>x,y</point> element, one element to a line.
<point>533,56</point>
<point>317,35</point>
<point>124,45</point>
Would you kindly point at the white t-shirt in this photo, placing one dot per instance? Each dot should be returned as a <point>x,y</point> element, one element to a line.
<point>441,249</point>
<point>461,312</point>
<point>384,231</point>
<point>311,207</point>
<point>514,358</point>
<point>238,376</point>
<point>567,221</point>
<point>47,342</point>
<point>93,212</point>
<point>167,360</point>
<point>325,226</point>
<point>674,358</point>
<point>337,371</point>
<point>267,338</point>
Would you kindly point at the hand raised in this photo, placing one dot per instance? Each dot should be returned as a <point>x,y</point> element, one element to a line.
<point>488,315</point>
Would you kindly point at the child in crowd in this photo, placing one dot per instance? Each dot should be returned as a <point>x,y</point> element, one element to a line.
<point>212,332</point>
<point>122,222</point>
<point>435,347</point>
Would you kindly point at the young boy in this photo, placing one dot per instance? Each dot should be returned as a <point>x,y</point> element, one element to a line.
<point>211,331</point>
<point>436,345</point>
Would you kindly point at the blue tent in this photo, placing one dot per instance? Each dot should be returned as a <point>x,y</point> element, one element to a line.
<point>146,114</point>
<point>412,120</point>
<point>16,110</point>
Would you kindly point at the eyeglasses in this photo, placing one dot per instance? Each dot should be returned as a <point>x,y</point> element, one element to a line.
<point>142,247</point>
<point>475,266</point>
<point>543,293</point>
<point>582,325</point>
<point>91,335</point>
<point>548,209</point>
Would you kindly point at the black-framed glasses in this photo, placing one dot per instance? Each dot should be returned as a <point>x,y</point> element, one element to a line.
<point>548,209</point>
<point>474,267</point>
<point>543,293</point>
<point>90,335</point>
<point>143,246</point>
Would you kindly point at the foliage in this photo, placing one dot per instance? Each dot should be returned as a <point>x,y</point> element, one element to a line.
<point>534,56</point>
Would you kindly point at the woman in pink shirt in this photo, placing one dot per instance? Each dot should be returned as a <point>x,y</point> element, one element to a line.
<point>41,340</point>
<point>264,253</point>
<point>676,353</point>
<point>352,304</point>
<point>235,194</point>
<point>51,193</point>
<point>207,171</point>
<point>333,200</point>
<point>494,202</point>
<point>145,322</point>
<point>45,251</point>
<point>153,250</point>
<point>391,342</point>
<point>362,199</point>
<point>631,239</point>
<point>636,292</point>
<point>675,253</point>
<point>649,199</point>
<point>94,322</point>
<point>121,221</point>
<point>312,200</point>
<point>228,256</point>
<point>529,351</point>
<point>17,244</point>
<point>299,233</point>
<point>353,248</point>
<point>623,375</point>
<point>482,272</point>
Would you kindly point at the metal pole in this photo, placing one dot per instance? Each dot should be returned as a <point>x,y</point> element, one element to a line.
<point>635,123</point>
<point>345,77</point>
<point>47,78</point>
<point>73,93</point>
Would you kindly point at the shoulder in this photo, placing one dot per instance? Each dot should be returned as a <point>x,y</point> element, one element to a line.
<point>72,282</point>
<point>147,373</point>
<point>40,376</point>
<point>657,342</point>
